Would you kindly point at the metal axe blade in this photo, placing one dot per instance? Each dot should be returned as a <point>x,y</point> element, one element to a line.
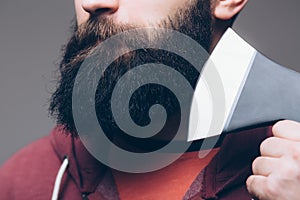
<point>256,89</point>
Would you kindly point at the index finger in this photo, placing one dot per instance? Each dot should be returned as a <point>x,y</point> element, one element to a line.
<point>287,129</point>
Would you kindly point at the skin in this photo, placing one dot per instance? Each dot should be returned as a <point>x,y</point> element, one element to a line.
<point>147,13</point>
<point>277,171</point>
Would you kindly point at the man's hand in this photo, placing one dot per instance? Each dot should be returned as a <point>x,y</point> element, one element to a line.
<point>277,171</point>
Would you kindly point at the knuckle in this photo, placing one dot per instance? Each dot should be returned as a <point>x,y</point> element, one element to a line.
<point>291,170</point>
<point>272,188</point>
<point>295,153</point>
<point>266,144</point>
<point>249,184</point>
<point>255,165</point>
<point>277,127</point>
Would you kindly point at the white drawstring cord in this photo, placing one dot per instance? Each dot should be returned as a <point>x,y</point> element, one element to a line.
<point>58,179</point>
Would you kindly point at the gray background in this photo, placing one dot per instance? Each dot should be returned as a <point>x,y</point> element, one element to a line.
<point>31,35</point>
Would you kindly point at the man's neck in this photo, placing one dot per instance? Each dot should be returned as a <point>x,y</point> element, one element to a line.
<point>171,182</point>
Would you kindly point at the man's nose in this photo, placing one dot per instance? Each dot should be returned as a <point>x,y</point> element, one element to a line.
<point>98,7</point>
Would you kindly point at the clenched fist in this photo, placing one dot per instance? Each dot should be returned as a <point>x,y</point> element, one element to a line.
<point>276,174</point>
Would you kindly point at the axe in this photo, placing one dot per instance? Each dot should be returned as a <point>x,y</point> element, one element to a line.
<point>256,90</point>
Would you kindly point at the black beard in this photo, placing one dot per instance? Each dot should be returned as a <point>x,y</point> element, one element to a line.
<point>196,22</point>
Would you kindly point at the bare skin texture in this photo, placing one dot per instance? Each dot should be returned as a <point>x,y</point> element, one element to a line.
<point>145,12</point>
<point>277,171</point>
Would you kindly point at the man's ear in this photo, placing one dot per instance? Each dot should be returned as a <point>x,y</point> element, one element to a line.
<point>227,9</point>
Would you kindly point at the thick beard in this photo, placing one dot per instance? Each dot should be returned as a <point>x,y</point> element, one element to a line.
<point>196,22</point>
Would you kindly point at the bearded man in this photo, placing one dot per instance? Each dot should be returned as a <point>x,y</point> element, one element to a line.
<point>32,172</point>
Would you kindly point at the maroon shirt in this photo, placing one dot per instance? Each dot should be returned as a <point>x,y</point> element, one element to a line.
<point>30,173</point>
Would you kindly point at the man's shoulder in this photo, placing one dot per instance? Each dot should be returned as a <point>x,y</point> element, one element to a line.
<point>31,153</point>
<point>34,160</point>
